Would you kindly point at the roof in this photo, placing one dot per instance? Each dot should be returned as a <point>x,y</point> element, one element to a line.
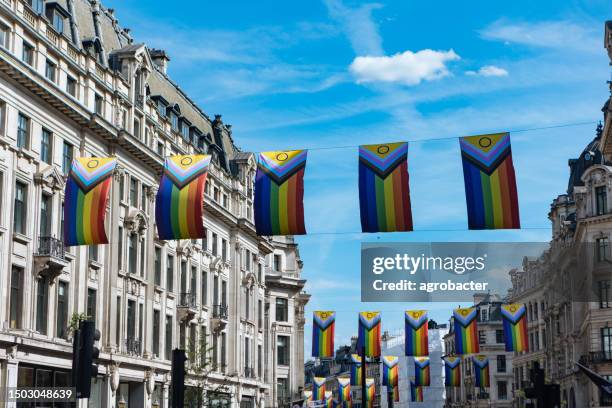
<point>590,156</point>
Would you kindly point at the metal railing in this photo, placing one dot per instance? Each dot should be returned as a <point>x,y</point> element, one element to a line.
<point>220,312</point>
<point>187,299</point>
<point>596,357</point>
<point>133,346</point>
<point>249,372</point>
<point>50,246</point>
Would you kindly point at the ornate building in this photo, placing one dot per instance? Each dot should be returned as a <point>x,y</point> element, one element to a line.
<point>74,83</point>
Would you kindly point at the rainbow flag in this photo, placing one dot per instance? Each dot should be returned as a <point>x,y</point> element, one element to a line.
<point>329,399</point>
<point>355,369</point>
<point>416,392</point>
<point>323,334</point>
<point>384,195</point>
<point>417,342</point>
<point>318,388</point>
<point>515,327</point>
<point>307,398</point>
<point>279,193</point>
<point>466,331</point>
<point>180,198</point>
<point>452,371</point>
<point>481,371</point>
<point>396,394</point>
<point>421,371</point>
<point>490,184</point>
<point>390,371</point>
<point>86,196</point>
<point>344,391</point>
<point>369,333</point>
<point>370,392</point>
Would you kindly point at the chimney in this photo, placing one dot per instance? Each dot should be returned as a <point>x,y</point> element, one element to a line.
<point>160,59</point>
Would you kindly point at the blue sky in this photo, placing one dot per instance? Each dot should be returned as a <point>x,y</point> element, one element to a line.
<point>325,73</point>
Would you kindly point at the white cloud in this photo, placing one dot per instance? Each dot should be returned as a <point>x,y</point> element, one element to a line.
<point>489,71</point>
<point>408,68</point>
<point>358,26</point>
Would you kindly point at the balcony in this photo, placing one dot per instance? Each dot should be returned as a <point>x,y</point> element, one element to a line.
<point>249,372</point>
<point>132,347</point>
<point>186,306</point>
<point>50,257</point>
<point>596,357</point>
<point>219,317</point>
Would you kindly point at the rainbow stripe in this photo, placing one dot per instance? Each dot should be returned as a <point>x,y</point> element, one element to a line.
<point>417,338</point>
<point>396,394</point>
<point>344,391</point>
<point>307,398</point>
<point>86,196</point>
<point>370,392</point>
<point>390,371</point>
<point>329,399</point>
<point>318,388</point>
<point>481,371</point>
<point>279,193</point>
<point>490,183</point>
<point>180,198</point>
<point>515,327</point>
<point>369,333</point>
<point>384,194</point>
<point>323,334</point>
<point>416,392</point>
<point>422,375</point>
<point>466,331</point>
<point>355,370</point>
<point>452,371</point>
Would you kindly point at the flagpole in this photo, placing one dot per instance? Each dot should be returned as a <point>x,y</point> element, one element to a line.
<point>363,375</point>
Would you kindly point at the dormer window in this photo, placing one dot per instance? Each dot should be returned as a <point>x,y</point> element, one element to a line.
<point>185,129</point>
<point>58,22</point>
<point>37,5</point>
<point>174,121</point>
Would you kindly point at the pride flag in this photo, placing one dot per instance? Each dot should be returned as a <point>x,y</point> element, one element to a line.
<point>370,392</point>
<point>355,369</point>
<point>318,388</point>
<point>390,371</point>
<point>396,393</point>
<point>515,327</point>
<point>490,184</point>
<point>416,392</point>
<point>323,334</point>
<point>180,198</point>
<point>85,200</point>
<point>344,391</point>
<point>329,399</point>
<point>466,331</point>
<point>384,195</point>
<point>452,371</point>
<point>481,371</point>
<point>307,398</point>
<point>417,342</point>
<point>279,193</point>
<point>422,371</point>
<point>369,333</point>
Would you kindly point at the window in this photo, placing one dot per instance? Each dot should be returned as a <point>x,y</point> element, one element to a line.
<point>205,240</point>
<point>62,309</point>
<point>21,208</point>
<point>131,319</point>
<point>27,54</point>
<point>223,351</point>
<point>484,315</point>
<point>282,387</point>
<point>277,263</point>
<point>204,288</point>
<point>601,197</point>
<point>16,297</point>
<point>215,352</point>
<point>501,363</point>
<point>247,303</point>
<point>120,249</point>
<point>225,201</point>
<point>502,390</point>
<point>606,342</point>
<point>23,131</point>
<point>4,36</point>
<point>605,302</point>
<point>260,273</point>
<point>168,338</point>
<point>99,104</point>
<point>482,337</point>
<point>174,121</point>
<point>143,261</point>
<point>58,22</point>
<point>136,128</point>
<point>224,249</point>
<point>157,279</point>
<point>91,304</point>
<point>183,287</point>
<point>216,194</point>
<point>118,321</point>
<point>71,86</point>
<point>602,248</point>
<point>215,245</point>
<point>132,248</point>
<point>156,317</point>
<point>499,336</point>
<point>133,192</point>
<point>160,148</point>
<point>282,310</point>
<point>46,138</point>
<point>161,108</point>
<point>260,314</point>
<point>50,70</point>
<point>68,154</point>
<point>170,273</point>
<point>259,361</point>
<point>37,5</point>
<point>185,131</point>
<point>182,334</point>
<point>282,350</point>
<point>42,287</point>
<point>143,197</point>
<point>45,216</point>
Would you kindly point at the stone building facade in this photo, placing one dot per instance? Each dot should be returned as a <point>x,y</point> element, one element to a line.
<point>74,83</point>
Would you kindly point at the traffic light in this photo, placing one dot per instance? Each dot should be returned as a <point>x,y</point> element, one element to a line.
<point>178,378</point>
<point>86,356</point>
